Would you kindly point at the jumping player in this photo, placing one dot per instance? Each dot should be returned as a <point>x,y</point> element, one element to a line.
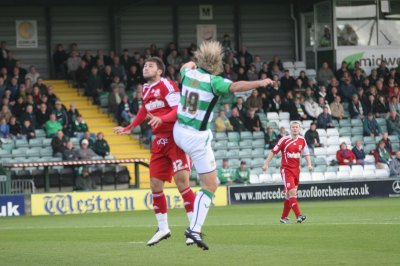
<point>160,103</point>
<point>292,148</point>
<point>201,88</point>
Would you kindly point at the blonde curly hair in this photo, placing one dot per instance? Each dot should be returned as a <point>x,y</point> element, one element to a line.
<point>209,57</point>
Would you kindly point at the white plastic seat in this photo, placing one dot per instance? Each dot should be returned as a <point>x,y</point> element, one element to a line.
<point>265,178</point>
<point>343,174</point>
<point>320,151</point>
<point>332,132</point>
<point>356,174</point>
<point>305,177</point>
<point>370,174</point>
<point>330,175</point>
<point>311,73</point>
<point>382,173</point>
<point>272,116</point>
<point>321,132</point>
<point>323,140</point>
<point>287,64</point>
<point>307,123</point>
<point>276,178</point>
<point>317,176</point>
<point>358,168</point>
<point>284,116</point>
<point>254,179</point>
<point>299,64</point>
<point>344,168</point>
<point>331,150</point>
<point>346,140</point>
<point>332,140</point>
<point>370,167</point>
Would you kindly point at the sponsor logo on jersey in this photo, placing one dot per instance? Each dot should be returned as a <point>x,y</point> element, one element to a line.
<point>162,141</point>
<point>293,155</point>
<point>154,105</point>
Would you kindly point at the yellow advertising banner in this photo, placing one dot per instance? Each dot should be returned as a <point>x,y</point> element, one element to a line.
<point>109,201</point>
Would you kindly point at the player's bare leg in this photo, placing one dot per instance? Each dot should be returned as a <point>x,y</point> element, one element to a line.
<point>201,206</point>
<point>160,210</point>
<point>182,183</point>
<point>295,206</point>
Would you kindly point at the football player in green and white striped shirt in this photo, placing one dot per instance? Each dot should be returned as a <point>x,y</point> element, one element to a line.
<point>201,88</point>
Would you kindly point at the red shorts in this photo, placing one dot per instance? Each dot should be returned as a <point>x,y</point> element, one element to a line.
<point>290,179</point>
<point>167,159</point>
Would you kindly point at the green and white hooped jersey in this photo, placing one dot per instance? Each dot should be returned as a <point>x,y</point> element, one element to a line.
<point>200,93</point>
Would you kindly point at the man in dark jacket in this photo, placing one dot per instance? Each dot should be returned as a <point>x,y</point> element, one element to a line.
<point>236,121</point>
<point>325,119</point>
<point>101,146</point>
<point>312,137</point>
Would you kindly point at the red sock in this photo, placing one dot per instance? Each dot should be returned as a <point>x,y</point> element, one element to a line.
<point>294,205</point>
<point>188,199</point>
<point>286,208</point>
<point>159,202</point>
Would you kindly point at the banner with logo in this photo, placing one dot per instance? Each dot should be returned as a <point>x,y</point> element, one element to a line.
<point>109,201</point>
<point>369,57</point>
<point>316,191</point>
<point>12,206</point>
<point>27,33</point>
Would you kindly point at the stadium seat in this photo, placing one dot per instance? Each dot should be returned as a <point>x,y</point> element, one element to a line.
<point>234,163</point>
<point>333,140</point>
<point>266,152</point>
<point>265,178</point>
<point>369,140</point>
<point>276,178</point>
<point>220,145</point>
<point>346,140</point>
<point>311,73</point>
<point>331,150</point>
<point>258,143</point>
<point>46,152</point>
<point>343,174</point>
<point>257,153</point>
<point>345,131</point>
<point>233,154</point>
<point>369,174</point>
<point>370,167</point>
<point>320,160</point>
<point>323,140</point>
<point>299,64</point>
<point>257,163</point>
<point>345,123</point>
<point>262,115</point>
<point>34,153</point>
<point>7,146</point>
<point>330,175</point>
<point>220,154</point>
<point>317,176</point>
<point>21,143</point>
<point>320,169</point>
<point>273,116</point>
<point>258,135</point>
<point>254,179</point>
<point>356,122</point>
<point>332,132</point>
<point>246,144</point>
<point>354,174</point>
<point>272,170</point>
<point>233,137</point>
<point>381,121</point>
<point>356,131</point>
<point>394,138</point>
<point>245,153</point>
<point>40,133</point>
<point>246,135</point>
<point>218,162</point>
<point>19,153</point>
<point>256,171</point>
<point>287,64</point>
<point>344,168</point>
<point>382,173</point>
<point>305,177</point>
<point>284,116</point>
<point>306,124</point>
<point>357,137</point>
<point>233,146</point>
<point>322,132</point>
<point>220,136</point>
<point>369,147</point>
<point>320,151</point>
<point>5,154</point>
<point>284,123</point>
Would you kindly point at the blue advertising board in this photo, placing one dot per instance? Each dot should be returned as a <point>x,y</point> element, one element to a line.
<point>12,206</point>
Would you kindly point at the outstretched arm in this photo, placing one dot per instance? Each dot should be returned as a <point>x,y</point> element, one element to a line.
<point>240,86</point>
<point>269,158</point>
<point>155,121</point>
<point>140,117</point>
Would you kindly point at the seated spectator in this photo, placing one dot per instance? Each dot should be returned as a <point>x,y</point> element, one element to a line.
<point>324,74</point>
<point>345,156</point>
<point>42,116</point>
<point>4,130</point>
<point>15,128</point>
<point>337,108</point>
<point>33,75</point>
<point>118,83</point>
<point>82,74</point>
<point>322,94</point>
<point>299,86</point>
<point>19,107</point>
<point>254,102</point>
<point>394,165</point>
<point>297,111</point>
<point>60,58</point>
<point>393,123</point>
<point>229,74</point>
<point>70,154</point>
<point>252,73</point>
<point>283,132</point>
<point>73,63</point>
<point>271,138</point>
<point>72,113</point>
<point>101,146</point>
<point>87,136</point>
<point>347,90</point>
<point>125,111</point>
<point>227,109</point>
<point>287,82</point>
<point>236,121</point>
<point>85,153</point>
<point>28,131</point>
<point>5,113</point>
<point>52,126</point>
<point>312,108</point>
<point>394,104</point>
<point>224,173</point>
<point>276,104</point>
<point>29,115</point>
<point>94,85</point>
<point>58,143</point>
<point>382,155</point>
<point>312,137</point>
<point>304,78</point>
<point>371,126</point>
<point>222,123</point>
<point>242,173</point>
<point>252,121</point>
<point>359,152</point>
<point>240,106</point>
<point>61,114</point>
<point>357,108</point>
<point>382,108</point>
<point>265,102</point>
<point>388,142</point>
<point>114,99</point>
<point>325,119</point>
<point>370,104</point>
<point>80,127</point>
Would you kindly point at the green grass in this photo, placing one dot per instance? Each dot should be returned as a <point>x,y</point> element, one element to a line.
<point>359,232</point>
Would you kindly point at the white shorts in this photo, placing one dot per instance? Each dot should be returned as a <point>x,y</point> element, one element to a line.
<point>196,144</point>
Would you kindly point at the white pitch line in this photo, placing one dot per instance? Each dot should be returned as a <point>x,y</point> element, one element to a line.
<point>136,243</point>
<point>177,225</point>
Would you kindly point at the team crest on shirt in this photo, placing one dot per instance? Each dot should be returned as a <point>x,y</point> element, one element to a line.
<point>156,92</point>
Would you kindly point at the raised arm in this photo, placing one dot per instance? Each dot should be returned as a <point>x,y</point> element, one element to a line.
<point>140,117</point>
<point>240,86</point>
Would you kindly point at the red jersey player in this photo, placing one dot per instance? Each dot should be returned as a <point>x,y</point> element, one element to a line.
<point>160,103</point>
<point>291,147</point>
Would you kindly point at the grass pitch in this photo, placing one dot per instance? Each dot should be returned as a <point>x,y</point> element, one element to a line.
<point>358,232</point>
